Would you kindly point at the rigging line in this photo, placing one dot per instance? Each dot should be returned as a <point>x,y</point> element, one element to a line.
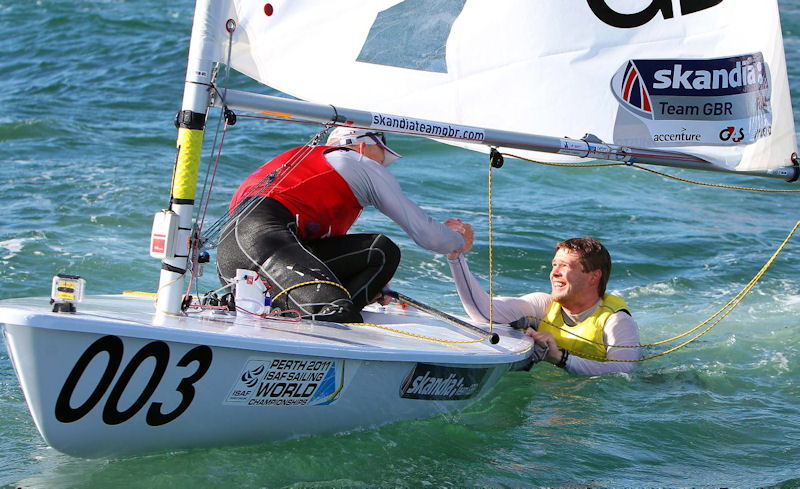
<point>242,211</point>
<point>714,319</point>
<point>719,185</point>
<point>573,165</point>
<point>213,159</point>
<point>667,351</point>
<point>174,174</point>
<point>213,144</point>
<point>311,282</point>
<point>203,205</point>
<point>206,198</point>
<point>262,184</point>
<point>216,230</point>
<point>205,195</point>
<point>665,175</point>
<point>491,254</point>
<point>415,335</point>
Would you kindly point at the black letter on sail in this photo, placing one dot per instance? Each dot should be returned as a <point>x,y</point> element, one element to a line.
<point>626,21</point>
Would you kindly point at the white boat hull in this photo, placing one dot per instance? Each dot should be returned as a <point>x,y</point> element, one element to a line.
<point>134,382</point>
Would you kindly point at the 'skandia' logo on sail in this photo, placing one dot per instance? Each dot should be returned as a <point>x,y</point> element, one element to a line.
<point>679,102</point>
<point>693,89</point>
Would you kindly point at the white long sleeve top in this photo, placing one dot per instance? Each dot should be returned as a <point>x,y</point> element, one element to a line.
<point>620,329</point>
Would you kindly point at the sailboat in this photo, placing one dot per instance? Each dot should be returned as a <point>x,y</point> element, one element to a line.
<point>698,84</point>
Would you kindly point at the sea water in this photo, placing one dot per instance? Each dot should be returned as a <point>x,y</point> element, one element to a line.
<point>89,93</point>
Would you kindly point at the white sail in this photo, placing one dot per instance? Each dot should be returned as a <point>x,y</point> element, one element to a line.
<point>705,77</point>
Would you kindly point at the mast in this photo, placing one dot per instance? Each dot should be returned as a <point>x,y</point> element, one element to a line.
<point>191,123</point>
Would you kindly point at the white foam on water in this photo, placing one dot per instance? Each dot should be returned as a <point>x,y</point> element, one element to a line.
<point>11,247</point>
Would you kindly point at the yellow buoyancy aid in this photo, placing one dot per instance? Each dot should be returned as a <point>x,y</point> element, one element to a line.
<point>585,339</point>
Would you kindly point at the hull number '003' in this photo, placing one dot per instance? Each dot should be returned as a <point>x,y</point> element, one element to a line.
<point>112,415</point>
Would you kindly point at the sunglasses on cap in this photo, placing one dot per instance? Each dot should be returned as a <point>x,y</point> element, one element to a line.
<point>378,137</point>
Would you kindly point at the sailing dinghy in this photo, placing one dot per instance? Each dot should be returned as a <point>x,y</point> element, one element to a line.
<point>696,84</point>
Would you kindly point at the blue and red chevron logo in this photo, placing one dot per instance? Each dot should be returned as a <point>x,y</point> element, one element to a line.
<point>634,90</point>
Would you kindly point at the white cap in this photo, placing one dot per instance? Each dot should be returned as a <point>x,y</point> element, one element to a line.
<point>345,136</point>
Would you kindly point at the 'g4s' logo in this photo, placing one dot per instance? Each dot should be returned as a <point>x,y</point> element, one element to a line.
<point>637,19</point>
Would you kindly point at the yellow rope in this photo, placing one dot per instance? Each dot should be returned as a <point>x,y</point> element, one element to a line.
<point>414,335</point>
<point>385,328</point>
<point>719,315</point>
<point>665,175</point>
<point>491,261</point>
<point>310,282</point>
<point>719,185</point>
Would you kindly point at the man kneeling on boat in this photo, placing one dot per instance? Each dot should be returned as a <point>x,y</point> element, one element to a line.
<point>291,216</point>
<point>586,330</point>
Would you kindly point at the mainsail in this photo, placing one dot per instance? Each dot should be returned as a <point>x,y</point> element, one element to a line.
<point>703,77</point>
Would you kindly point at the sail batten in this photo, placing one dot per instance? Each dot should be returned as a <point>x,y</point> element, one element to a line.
<point>709,80</point>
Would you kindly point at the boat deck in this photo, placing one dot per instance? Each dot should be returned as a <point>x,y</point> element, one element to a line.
<point>389,333</point>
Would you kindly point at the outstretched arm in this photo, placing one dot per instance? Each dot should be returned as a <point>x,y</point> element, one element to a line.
<point>504,309</point>
<point>373,185</point>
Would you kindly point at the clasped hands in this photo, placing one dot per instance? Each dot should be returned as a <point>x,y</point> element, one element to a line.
<point>466,232</point>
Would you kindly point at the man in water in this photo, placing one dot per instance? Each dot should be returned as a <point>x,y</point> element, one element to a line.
<point>585,329</point>
<point>291,216</point>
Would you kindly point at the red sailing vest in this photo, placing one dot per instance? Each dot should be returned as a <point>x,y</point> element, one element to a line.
<point>318,197</point>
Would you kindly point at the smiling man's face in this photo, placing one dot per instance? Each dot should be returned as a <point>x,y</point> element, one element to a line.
<point>573,288</point>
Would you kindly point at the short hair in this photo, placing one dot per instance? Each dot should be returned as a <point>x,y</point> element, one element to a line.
<point>593,255</point>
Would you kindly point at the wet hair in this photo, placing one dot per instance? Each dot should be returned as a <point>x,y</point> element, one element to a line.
<point>593,255</point>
